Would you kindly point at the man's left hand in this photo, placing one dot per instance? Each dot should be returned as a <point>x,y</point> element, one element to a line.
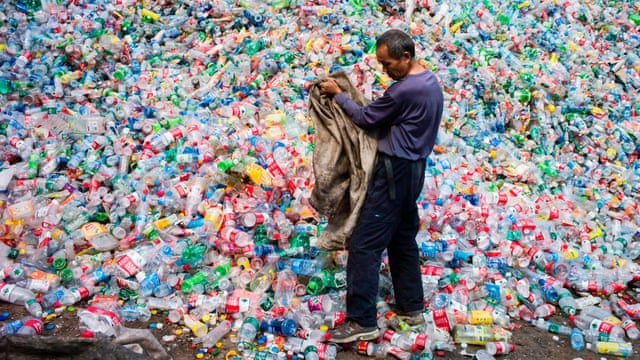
<point>329,87</point>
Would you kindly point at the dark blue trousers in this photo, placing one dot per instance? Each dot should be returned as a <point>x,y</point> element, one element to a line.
<point>388,220</point>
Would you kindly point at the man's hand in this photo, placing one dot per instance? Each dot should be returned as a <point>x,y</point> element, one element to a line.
<point>329,87</point>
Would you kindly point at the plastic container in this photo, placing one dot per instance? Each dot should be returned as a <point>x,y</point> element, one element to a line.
<point>577,339</point>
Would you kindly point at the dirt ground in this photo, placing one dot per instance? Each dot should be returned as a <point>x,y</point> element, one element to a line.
<point>530,342</point>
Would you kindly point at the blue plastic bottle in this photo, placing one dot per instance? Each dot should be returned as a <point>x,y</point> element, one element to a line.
<point>577,339</point>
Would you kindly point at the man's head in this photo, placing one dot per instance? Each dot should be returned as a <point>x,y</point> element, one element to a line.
<point>395,51</point>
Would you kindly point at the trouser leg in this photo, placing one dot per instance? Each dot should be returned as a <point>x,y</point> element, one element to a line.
<point>404,259</point>
<point>369,239</point>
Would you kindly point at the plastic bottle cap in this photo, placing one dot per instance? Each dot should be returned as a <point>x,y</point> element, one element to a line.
<point>87,334</point>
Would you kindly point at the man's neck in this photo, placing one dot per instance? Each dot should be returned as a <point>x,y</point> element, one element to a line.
<point>416,68</point>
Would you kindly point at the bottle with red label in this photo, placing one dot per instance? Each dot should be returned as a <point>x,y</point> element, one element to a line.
<point>77,294</point>
<point>382,350</point>
<point>499,347</point>
<point>398,340</point>
<point>30,326</point>
<point>587,323</point>
<point>160,140</point>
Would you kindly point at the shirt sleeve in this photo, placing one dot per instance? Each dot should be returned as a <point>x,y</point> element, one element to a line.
<point>381,112</point>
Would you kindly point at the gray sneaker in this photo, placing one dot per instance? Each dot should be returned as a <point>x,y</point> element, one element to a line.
<point>351,331</point>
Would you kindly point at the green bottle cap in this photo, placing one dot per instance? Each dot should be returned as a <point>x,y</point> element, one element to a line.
<point>13,253</point>
<point>59,263</point>
<point>65,275</point>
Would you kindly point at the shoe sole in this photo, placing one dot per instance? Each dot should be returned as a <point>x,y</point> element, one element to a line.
<point>371,335</point>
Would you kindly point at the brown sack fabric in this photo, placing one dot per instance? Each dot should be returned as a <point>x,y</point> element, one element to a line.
<point>343,160</point>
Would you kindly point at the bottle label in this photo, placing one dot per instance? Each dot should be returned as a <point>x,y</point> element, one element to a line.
<point>35,324</point>
<point>338,318</point>
<point>322,349</point>
<point>215,215</point>
<point>340,279</point>
<point>480,317</point>
<point>361,347</point>
<point>478,337</point>
<point>130,263</point>
<point>236,304</point>
<point>181,188</point>
<point>92,229</point>
<point>419,339</point>
<point>390,336</point>
<point>553,328</point>
<point>613,348</point>
<point>613,320</point>
<point>628,325</point>
<point>5,291</point>
<point>273,167</point>
<point>601,326</point>
<point>113,318</point>
<point>440,319</point>
<point>314,303</point>
<point>431,272</point>
<point>501,347</point>
<point>39,285</point>
<point>471,334</point>
<point>43,276</point>
<point>79,293</point>
<point>21,210</point>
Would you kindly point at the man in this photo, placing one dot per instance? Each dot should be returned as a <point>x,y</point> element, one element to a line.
<point>407,118</point>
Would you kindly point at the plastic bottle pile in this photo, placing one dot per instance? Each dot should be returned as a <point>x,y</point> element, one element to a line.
<point>156,156</point>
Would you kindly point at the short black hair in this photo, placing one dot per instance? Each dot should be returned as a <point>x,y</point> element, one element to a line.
<point>397,42</point>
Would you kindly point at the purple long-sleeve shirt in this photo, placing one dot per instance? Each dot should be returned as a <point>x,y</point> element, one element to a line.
<point>407,115</point>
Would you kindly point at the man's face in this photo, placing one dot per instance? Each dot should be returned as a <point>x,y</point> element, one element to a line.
<point>395,68</point>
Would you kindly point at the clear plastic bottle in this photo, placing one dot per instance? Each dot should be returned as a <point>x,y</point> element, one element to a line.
<point>214,335</point>
<point>566,301</point>
<point>544,311</point>
<point>483,354</point>
<point>247,333</point>
<point>279,326</point>
<point>577,339</point>
<point>622,349</point>
<point>284,290</point>
<point>296,344</point>
<point>479,334</point>
<point>262,279</point>
<point>11,327</point>
<point>398,340</point>
<point>585,322</point>
<point>630,327</point>
<point>499,347</point>
<point>385,350</point>
<point>195,325</point>
<point>30,326</point>
<point>552,327</point>
<point>318,335</point>
<point>392,320</point>
<point>53,297</point>
<point>14,294</point>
